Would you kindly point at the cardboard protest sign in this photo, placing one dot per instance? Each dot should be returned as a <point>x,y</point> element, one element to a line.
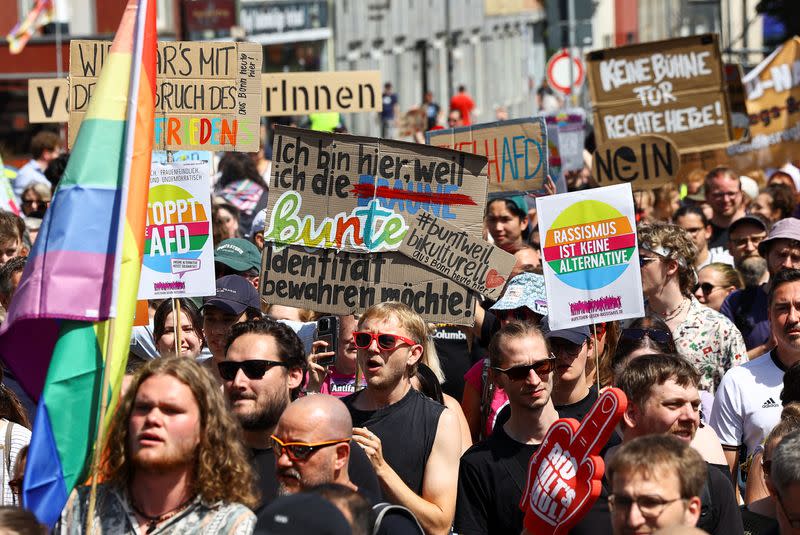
<point>516,151</point>
<point>590,256</point>
<point>475,264</point>
<point>358,195</point>
<point>646,162</point>
<point>773,105</point>
<point>179,251</point>
<point>301,93</point>
<point>565,135</point>
<point>47,100</point>
<point>737,97</point>
<point>565,473</point>
<point>673,88</point>
<point>208,95</point>
<point>336,282</point>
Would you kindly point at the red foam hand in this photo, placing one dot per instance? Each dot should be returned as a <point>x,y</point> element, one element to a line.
<point>564,474</point>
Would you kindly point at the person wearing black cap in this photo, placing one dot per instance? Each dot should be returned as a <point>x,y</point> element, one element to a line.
<point>572,395</point>
<point>744,236</point>
<point>237,256</point>
<point>236,301</point>
<point>302,513</point>
<point>747,308</point>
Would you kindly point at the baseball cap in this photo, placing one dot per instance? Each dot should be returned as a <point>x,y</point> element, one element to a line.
<point>787,228</point>
<point>234,295</point>
<point>238,254</point>
<point>752,219</point>
<point>302,513</point>
<point>524,290</point>
<point>576,335</point>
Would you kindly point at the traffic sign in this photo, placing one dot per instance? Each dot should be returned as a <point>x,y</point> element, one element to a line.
<point>558,72</point>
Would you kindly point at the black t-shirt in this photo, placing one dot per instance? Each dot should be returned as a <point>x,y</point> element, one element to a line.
<point>360,470</point>
<point>719,238</point>
<point>721,516</point>
<point>579,409</point>
<point>757,524</point>
<point>454,357</point>
<point>407,430</point>
<point>491,479</point>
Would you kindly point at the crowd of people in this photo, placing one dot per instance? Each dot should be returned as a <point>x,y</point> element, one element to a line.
<point>235,417</point>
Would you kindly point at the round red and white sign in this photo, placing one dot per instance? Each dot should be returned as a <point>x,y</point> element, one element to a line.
<point>558,72</point>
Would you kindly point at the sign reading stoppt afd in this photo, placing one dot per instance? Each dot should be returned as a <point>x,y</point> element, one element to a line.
<point>208,95</point>
<point>646,162</point>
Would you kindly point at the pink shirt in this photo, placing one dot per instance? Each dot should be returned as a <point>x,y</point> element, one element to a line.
<point>499,398</point>
<point>339,385</point>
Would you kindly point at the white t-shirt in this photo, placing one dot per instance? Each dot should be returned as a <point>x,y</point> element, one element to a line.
<point>747,404</point>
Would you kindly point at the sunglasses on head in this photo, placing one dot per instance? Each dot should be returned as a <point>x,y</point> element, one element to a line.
<point>300,451</point>
<point>518,373</point>
<point>707,287</point>
<point>253,369</point>
<point>386,341</point>
<point>656,335</point>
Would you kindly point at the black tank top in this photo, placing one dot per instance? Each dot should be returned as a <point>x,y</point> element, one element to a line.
<point>407,430</point>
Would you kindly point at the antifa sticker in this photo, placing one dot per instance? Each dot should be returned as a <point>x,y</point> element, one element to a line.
<point>565,472</point>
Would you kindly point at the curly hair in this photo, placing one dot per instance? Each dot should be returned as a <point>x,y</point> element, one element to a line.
<point>222,471</point>
<point>675,244</point>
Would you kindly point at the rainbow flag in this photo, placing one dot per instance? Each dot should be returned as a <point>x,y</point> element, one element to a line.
<point>84,270</point>
<point>40,16</point>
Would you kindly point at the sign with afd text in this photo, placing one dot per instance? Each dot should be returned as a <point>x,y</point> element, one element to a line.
<point>565,473</point>
<point>590,256</point>
<point>47,100</point>
<point>516,151</point>
<point>645,162</point>
<point>445,248</point>
<point>674,88</point>
<point>301,93</point>
<point>359,195</point>
<point>208,95</point>
<point>178,249</point>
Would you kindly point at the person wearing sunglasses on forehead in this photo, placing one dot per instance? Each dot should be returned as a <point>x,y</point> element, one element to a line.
<point>707,338</point>
<point>715,282</point>
<point>494,471</point>
<point>412,441</point>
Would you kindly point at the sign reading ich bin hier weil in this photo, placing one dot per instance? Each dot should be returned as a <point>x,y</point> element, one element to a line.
<point>178,251</point>
<point>590,256</point>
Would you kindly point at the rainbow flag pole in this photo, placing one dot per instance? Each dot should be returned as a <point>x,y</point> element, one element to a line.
<point>67,333</point>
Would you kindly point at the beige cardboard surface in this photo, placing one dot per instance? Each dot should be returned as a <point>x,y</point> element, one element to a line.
<point>674,88</point>
<point>335,282</point>
<point>448,250</point>
<point>516,151</point>
<point>47,101</point>
<point>208,95</point>
<point>645,162</point>
<point>301,93</point>
<point>737,99</point>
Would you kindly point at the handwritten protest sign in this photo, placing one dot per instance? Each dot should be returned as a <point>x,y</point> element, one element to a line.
<point>358,195</point>
<point>475,264</point>
<point>336,282</point>
<point>773,105</point>
<point>565,134</point>
<point>208,95</point>
<point>47,100</point>
<point>179,252</point>
<point>301,93</point>
<point>645,162</point>
<point>590,256</point>
<point>565,473</point>
<point>516,151</point>
<point>673,88</point>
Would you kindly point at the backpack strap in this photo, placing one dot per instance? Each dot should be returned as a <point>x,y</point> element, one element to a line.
<point>382,509</point>
<point>487,393</point>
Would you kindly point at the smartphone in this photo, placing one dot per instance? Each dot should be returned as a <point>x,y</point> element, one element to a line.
<point>328,330</point>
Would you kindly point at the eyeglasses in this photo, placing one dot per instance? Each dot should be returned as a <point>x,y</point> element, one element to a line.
<point>300,451</point>
<point>566,347</point>
<point>386,341</point>
<point>522,313</point>
<point>794,522</point>
<point>649,506</point>
<point>723,194</point>
<point>755,240</point>
<point>707,288</point>
<point>656,335</point>
<point>253,369</point>
<point>644,260</point>
<point>518,373</point>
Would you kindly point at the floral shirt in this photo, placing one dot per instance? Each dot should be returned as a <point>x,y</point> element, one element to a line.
<point>711,342</point>
<point>113,515</point>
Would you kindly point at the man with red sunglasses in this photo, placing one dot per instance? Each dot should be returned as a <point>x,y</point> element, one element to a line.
<point>412,441</point>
